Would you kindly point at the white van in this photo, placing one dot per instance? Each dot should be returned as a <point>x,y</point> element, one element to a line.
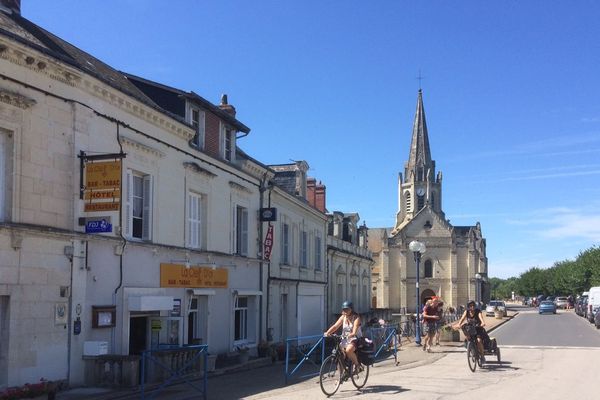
<point>593,302</point>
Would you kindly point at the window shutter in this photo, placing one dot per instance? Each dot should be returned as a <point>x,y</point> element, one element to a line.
<point>129,204</point>
<point>147,213</point>
<point>244,232</point>
<point>194,208</point>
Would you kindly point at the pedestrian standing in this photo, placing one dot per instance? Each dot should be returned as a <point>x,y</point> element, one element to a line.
<point>440,322</point>
<point>430,318</point>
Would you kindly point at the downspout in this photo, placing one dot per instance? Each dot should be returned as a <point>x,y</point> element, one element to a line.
<point>269,334</point>
<point>122,249</point>
<point>262,257</point>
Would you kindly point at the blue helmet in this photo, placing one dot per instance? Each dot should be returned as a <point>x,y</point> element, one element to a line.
<point>347,304</point>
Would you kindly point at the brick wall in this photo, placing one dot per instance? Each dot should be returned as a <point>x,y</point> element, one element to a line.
<point>211,136</point>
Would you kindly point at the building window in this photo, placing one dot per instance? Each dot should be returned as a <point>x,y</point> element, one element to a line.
<point>303,249</point>
<point>318,253</point>
<point>408,200</point>
<point>194,220</point>
<point>197,119</point>
<point>139,205</point>
<point>432,200</point>
<point>241,231</point>
<point>3,174</point>
<point>285,244</point>
<point>241,319</point>
<point>428,269</point>
<point>227,144</point>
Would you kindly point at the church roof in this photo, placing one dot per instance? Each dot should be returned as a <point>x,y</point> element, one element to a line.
<point>420,154</point>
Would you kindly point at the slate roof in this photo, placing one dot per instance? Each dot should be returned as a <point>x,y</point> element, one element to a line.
<point>22,30</point>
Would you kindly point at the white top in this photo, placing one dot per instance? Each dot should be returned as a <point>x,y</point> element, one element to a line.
<point>347,327</point>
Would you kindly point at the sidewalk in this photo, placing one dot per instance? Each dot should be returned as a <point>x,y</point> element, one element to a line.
<point>260,375</point>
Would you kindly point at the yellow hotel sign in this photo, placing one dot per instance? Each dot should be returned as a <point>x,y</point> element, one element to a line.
<point>177,275</point>
<point>103,175</point>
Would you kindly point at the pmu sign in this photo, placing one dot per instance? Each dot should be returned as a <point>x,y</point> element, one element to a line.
<point>103,175</point>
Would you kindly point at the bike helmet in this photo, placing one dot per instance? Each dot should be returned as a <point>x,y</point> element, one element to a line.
<point>347,304</point>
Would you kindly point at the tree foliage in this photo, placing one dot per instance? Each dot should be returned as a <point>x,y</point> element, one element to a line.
<point>563,278</point>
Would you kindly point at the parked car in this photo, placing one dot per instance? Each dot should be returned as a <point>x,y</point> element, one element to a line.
<point>580,305</point>
<point>584,307</point>
<point>495,304</point>
<point>547,306</point>
<point>593,302</point>
<point>597,319</point>
<point>561,302</point>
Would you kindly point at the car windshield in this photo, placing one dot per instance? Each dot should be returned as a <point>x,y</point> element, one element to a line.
<point>495,303</point>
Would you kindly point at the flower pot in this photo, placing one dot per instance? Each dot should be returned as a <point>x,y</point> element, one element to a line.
<point>498,314</point>
<point>450,336</point>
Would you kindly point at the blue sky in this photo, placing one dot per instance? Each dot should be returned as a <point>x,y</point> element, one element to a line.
<point>511,92</point>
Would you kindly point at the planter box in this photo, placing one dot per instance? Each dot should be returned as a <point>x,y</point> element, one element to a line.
<point>450,336</point>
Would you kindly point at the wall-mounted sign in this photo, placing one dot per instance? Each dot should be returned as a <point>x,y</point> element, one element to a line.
<point>176,311</point>
<point>92,207</point>
<point>268,246</point>
<point>60,314</point>
<point>102,194</point>
<point>268,214</point>
<point>177,275</point>
<point>98,226</point>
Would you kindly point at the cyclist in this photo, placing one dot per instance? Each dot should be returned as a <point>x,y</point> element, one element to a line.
<point>349,321</point>
<point>473,316</point>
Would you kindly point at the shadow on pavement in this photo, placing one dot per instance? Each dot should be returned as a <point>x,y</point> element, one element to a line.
<point>499,366</point>
<point>389,389</point>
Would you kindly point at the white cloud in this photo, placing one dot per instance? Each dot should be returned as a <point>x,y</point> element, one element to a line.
<point>563,223</point>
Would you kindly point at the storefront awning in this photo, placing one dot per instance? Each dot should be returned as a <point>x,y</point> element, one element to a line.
<point>245,292</point>
<point>150,303</point>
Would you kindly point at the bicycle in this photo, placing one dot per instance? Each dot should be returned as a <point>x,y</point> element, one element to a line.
<point>337,368</point>
<point>474,357</point>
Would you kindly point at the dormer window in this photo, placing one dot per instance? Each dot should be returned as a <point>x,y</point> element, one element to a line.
<point>196,118</point>
<point>227,144</point>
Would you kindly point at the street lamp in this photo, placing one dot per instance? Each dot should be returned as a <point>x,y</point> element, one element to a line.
<point>477,288</point>
<point>417,248</point>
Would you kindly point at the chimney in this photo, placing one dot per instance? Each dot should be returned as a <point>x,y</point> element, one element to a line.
<point>320,198</point>
<point>228,108</point>
<point>311,184</point>
<point>12,5</point>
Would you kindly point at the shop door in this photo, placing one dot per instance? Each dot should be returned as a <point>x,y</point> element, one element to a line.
<point>197,328</point>
<point>138,335</point>
<point>165,331</point>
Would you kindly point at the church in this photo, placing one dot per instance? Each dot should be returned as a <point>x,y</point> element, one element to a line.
<point>454,265</point>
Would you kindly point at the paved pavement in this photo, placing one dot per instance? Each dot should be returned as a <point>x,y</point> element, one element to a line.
<point>263,377</point>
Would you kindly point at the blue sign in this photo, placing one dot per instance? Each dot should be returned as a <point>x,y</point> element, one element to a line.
<point>98,226</point>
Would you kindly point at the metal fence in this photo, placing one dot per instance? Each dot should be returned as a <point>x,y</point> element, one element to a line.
<point>174,364</point>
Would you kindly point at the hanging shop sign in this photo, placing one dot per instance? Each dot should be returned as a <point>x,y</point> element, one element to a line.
<point>100,181</point>
<point>177,275</point>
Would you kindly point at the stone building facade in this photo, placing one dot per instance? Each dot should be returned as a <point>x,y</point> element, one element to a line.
<point>454,265</point>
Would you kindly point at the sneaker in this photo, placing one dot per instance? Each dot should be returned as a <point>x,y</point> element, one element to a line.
<point>424,347</point>
<point>429,349</point>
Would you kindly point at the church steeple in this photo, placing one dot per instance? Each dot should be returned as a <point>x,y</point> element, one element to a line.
<point>419,159</point>
<point>420,185</point>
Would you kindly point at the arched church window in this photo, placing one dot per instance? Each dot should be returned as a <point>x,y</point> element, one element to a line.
<point>408,200</point>
<point>428,269</point>
<point>432,200</point>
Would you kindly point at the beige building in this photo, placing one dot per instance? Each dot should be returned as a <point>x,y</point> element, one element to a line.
<point>454,265</point>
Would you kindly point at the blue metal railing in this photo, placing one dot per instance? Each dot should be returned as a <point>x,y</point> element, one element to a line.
<point>182,361</point>
<point>304,352</point>
<point>385,338</point>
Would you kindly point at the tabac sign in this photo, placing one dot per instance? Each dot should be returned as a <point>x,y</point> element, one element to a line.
<point>100,181</point>
<point>177,275</point>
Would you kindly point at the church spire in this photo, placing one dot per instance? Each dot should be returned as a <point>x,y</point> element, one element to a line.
<point>419,158</point>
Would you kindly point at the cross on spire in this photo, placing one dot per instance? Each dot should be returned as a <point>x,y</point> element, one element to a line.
<point>420,78</point>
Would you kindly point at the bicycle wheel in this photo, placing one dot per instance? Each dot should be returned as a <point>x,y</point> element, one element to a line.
<point>359,379</point>
<point>330,377</point>
<point>472,356</point>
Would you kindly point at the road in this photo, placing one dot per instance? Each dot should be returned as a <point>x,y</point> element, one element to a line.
<point>539,361</point>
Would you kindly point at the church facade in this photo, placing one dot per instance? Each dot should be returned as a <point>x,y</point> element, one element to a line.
<point>454,265</point>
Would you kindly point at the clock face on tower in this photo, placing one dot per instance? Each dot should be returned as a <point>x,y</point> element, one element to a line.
<point>420,192</point>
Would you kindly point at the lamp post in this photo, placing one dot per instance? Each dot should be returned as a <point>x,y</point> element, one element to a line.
<point>417,248</point>
<point>477,288</point>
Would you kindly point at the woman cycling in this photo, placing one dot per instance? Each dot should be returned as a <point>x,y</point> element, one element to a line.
<point>351,331</point>
<point>473,316</point>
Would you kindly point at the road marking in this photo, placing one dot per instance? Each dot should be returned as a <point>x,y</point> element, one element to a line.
<point>548,347</point>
